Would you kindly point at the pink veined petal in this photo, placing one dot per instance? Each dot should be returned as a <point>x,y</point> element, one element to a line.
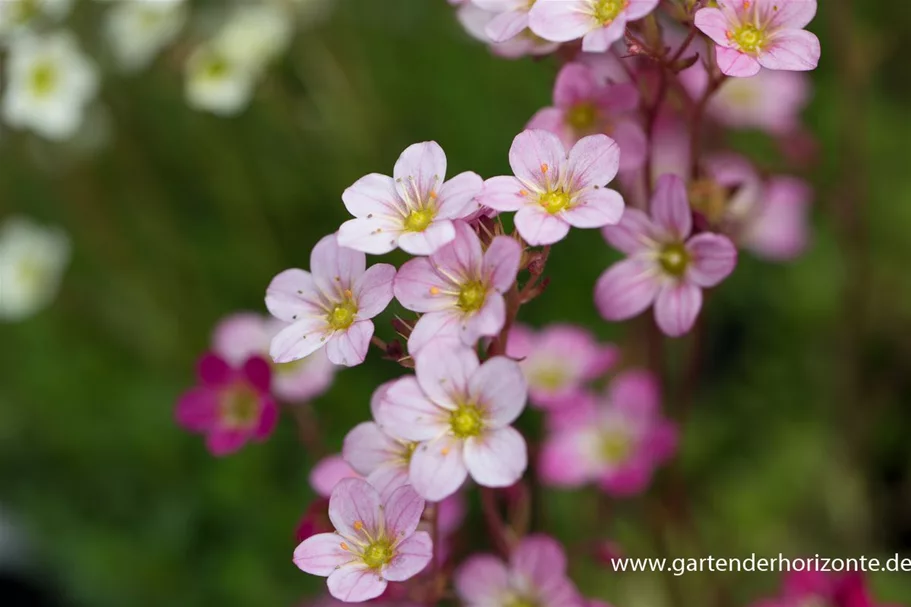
<point>411,557</point>
<point>713,23</point>
<point>268,418</point>
<point>497,457</point>
<point>439,233</point>
<point>792,50</point>
<point>463,258</point>
<point>633,144</point>
<point>375,236</point>
<point>791,14</point>
<point>403,509</point>
<point>554,120</point>
<point>561,20</point>
<point>328,472</point>
<point>224,441</point>
<point>780,229</point>
<point>600,40</point>
<point>321,554</point>
<point>486,322</point>
<point>733,62</point>
<point>214,371</point>
<point>626,289</point>
<point>378,396</point>
<point>563,592</point>
<point>419,288</point>
<point>366,448</point>
<point>349,347</point>
<point>435,326</point>
<point>420,170</point>
<point>258,373</point>
<point>299,340</point>
<point>635,393</point>
<point>437,468</point>
<point>506,25</point>
<point>677,307</point>
<point>355,508</point>
<point>634,232</point>
<point>335,268</point>
<point>456,199</point>
<point>373,194</point>
<point>444,372</point>
<point>538,227</point>
<point>713,258</point>
<point>593,161</point>
<point>595,209</point>
<point>292,294</point>
<point>575,84</point>
<point>355,584</point>
<point>618,98</point>
<point>567,460</point>
<point>670,207</point>
<point>537,158</point>
<point>481,580</point>
<point>502,194</point>
<point>197,410</point>
<point>238,336</point>
<point>500,6</point>
<point>389,477</point>
<point>637,9</point>
<point>499,387</point>
<point>501,262</point>
<point>540,560</point>
<point>373,290</point>
<point>409,414</point>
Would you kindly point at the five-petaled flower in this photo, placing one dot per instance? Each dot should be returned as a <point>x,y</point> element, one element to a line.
<point>599,23</point>
<point>413,209</point>
<point>552,191</point>
<point>750,34</point>
<point>375,541</point>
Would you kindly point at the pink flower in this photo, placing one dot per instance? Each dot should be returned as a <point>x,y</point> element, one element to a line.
<point>665,265</point>
<point>510,20</point>
<point>413,209</point>
<point>551,191</point>
<point>818,588</point>
<point>460,412</point>
<point>535,575</point>
<point>599,23</point>
<point>328,472</point>
<point>375,541</point>
<point>231,405</point>
<point>616,443</point>
<point>332,306</point>
<point>583,106</point>
<point>475,21</point>
<point>670,153</point>
<point>750,34</point>
<point>558,361</point>
<point>459,289</point>
<point>239,336</point>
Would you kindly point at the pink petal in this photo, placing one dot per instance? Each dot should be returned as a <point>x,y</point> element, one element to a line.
<point>539,559</point>
<point>501,262</point>
<point>575,84</point>
<point>224,441</point>
<point>677,307</point>
<point>389,477</point>
<point>403,509</point>
<point>506,25</point>
<point>292,294</point>
<point>435,326</point>
<point>355,584</point>
<point>538,227</point>
<point>486,322</point>
<point>633,144</point>
<point>593,162</point>
<point>437,468</point>
<point>299,340</point>
<point>600,40</point>
<point>619,98</point>
<point>713,23</point>
<point>444,372</point>
<point>499,386</point>
<point>736,63</point>
<point>553,120</point>
<point>793,50</point>
<point>334,267</point>
<point>268,418</point>
<point>375,236</point>
<point>372,194</point>
<point>637,9</point>
<point>409,414</point>
<point>373,290</point>
<point>636,394</point>
<point>633,234</point>
<point>567,460</point>
<point>257,372</point>
<point>481,580</point>
<point>349,347</point>
<point>328,472</point>
<point>420,170</point>
<point>238,336</point>
<point>561,20</point>
<point>496,458</point>
<point>791,14</point>
<point>626,289</point>
<point>439,233</point>
<point>321,554</point>
<point>671,207</point>
<point>780,229</point>
<point>197,410</point>
<point>630,479</point>
<point>378,396</point>
<point>464,257</point>
<point>502,194</point>
<point>456,199</point>
<point>214,371</point>
<point>411,557</point>
<point>537,158</point>
<point>419,288</point>
<point>595,209</point>
<point>366,448</point>
<point>713,259</point>
<point>661,442</point>
<point>354,508</point>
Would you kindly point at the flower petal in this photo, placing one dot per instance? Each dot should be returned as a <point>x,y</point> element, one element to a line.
<point>496,458</point>
<point>258,373</point>
<point>373,290</point>
<point>434,327</point>
<point>463,258</point>
<point>636,394</point>
<point>437,468</point>
<point>793,50</point>
<point>406,412</point>
<point>595,209</point>
<point>239,336</point>
<point>372,194</point>
<point>268,418</point>
<point>499,386</point>
<point>411,557</point>
<point>506,26</point>
<point>486,322</point>
<point>677,307</point>
<point>389,477</point>
<point>713,23</point>
<point>197,410</point>
<point>224,441</point>
<point>444,373</point>
<point>355,584</point>
<point>538,227</point>
<point>375,236</point>
<point>321,554</point>
<point>503,194</point>
<point>626,288</point>
<point>537,158</point>
<point>420,170</point>
<point>779,231</point>
<point>713,259</point>
<point>349,347</point>
<point>671,207</point>
<point>439,233</point>
<point>568,459</point>
<point>366,447</point>
<point>540,560</point>
<point>335,268</point>
<point>328,472</point>
<point>733,62</point>
<point>633,144</point>
<point>214,371</point>
<point>634,232</point>
<point>292,294</point>
<point>299,340</point>
<point>594,161</point>
<point>456,198</point>
<point>419,288</point>
<point>561,20</point>
<point>793,14</point>
<point>599,40</point>
<point>403,509</point>
<point>501,262</point>
<point>575,84</point>
<point>481,580</point>
<point>354,508</point>
<point>637,9</point>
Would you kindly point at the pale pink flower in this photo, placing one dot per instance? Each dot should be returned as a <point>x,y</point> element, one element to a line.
<point>245,334</point>
<point>460,412</point>
<point>616,442</point>
<point>475,21</point>
<point>459,289</point>
<point>599,23</point>
<point>552,191</point>
<point>666,266</point>
<point>535,575</point>
<point>750,34</point>
<point>231,406</point>
<point>558,361</point>
<point>328,472</point>
<point>375,541</point>
<point>670,154</point>
<point>584,106</point>
<point>329,306</point>
<point>511,18</point>
<point>413,209</point>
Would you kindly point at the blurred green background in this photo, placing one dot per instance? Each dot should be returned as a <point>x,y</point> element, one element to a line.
<point>798,437</point>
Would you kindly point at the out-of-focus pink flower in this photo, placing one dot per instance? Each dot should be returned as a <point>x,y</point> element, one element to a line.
<point>231,405</point>
<point>665,265</point>
<point>460,412</point>
<point>552,191</point>
<point>329,306</point>
<point>475,21</point>
<point>599,23</point>
<point>558,361</point>
<point>534,575</point>
<point>328,472</point>
<point>750,34</point>
<point>822,588</point>
<point>240,336</point>
<point>375,542</point>
<point>583,106</point>
<point>670,155</point>
<point>617,443</point>
<point>459,289</point>
<point>315,520</point>
<point>413,209</point>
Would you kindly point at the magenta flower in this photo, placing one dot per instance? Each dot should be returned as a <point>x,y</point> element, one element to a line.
<point>750,34</point>
<point>240,336</point>
<point>535,575</point>
<point>231,405</point>
<point>818,588</point>
<point>599,23</point>
<point>665,266</point>
<point>551,191</point>
<point>584,106</point>
<point>375,541</point>
<point>558,361</point>
<point>616,442</point>
<point>460,412</point>
<point>459,289</point>
<point>328,472</point>
<point>413,209</point>
<point>330,306</point>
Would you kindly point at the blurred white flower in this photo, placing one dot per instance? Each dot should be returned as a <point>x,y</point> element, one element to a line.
<point>138,31</point>
<point>32,260</point>
<point>256,34</point>
<point>49,84</point>
<point>19,16</point>
<point>217,82</point>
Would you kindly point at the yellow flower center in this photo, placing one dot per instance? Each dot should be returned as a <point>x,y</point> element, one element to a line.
<point>520,601</point>
<point>378,553</point>
<point>342,315</point>
<point>582,116</point>
<point>551,379</point>
<point>674,259</point>
<point>417,221</point>
<point>615,447</point>
<point>44,79</point>
<point>409,452</point>
<point>555,201</point>
<point>215,68</point>
<point>749,38</point>
<point>472,296</point>
<point>607,10</point>
<point>466,421</point>
<point>239,407</point>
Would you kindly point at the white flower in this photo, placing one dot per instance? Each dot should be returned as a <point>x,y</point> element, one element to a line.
<point>20,16</point>
<point>256,34</point>
<point>50,83</point>
<point>217,82</point>
<point>137,31</point>
<point>32,260</point>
